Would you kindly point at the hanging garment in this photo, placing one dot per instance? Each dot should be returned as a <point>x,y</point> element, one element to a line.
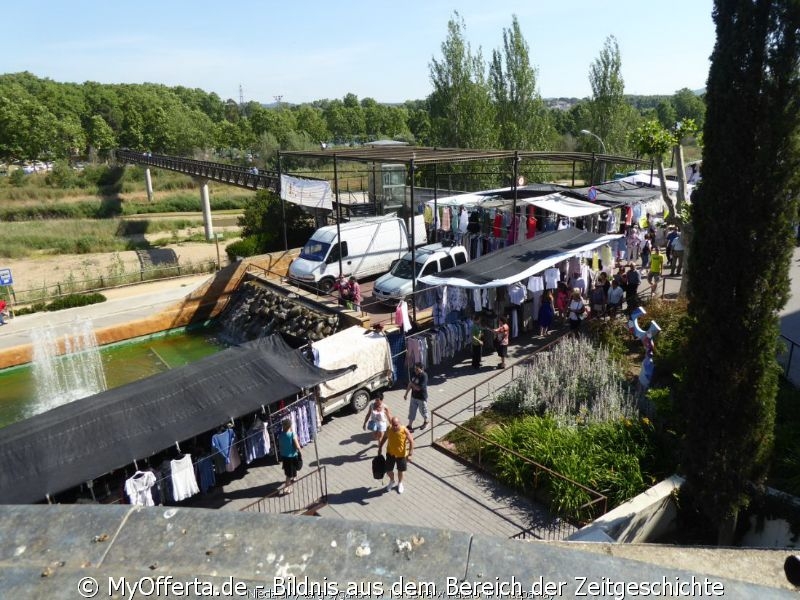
<point>256,443</point>
<point>401,316</point>
<point>463,221</point>
<point>536,283</point>
<point>184,483</point>
<point>205,473</point>
<point>138,488</point>
<point>497,226</point>
<point>445,218</point>
<point>516,293</point>
<point>225,444</point>
<point>531,227</point>
<point>551,278</point>
<point>427,215</point>
<point>606,257</point>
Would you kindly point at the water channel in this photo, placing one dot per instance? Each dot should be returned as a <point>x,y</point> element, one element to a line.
<point>123,363</point>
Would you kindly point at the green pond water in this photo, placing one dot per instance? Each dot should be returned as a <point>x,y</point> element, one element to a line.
<point>123,363</point>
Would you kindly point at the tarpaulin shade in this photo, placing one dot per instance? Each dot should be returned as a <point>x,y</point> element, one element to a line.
<point>87,438</point>
<point>566,206</point>
<point>520,261</point>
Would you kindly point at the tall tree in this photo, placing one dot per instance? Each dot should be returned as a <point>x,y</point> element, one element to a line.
<point>521,114</point>
<point>608,108</point>
<point>462,115</point>
<point>743,213</point>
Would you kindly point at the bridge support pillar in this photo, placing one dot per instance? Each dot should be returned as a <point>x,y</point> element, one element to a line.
<point>148,184</point>
<point>206,204</point>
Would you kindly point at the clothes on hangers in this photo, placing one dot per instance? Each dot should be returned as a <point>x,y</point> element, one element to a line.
<point>206,475</point>
<point>138,488</point>
<point>517,293</point>
<point>401,316</point>
<point>256,442</point>
<point>225,444</point>
<point>184,484</point>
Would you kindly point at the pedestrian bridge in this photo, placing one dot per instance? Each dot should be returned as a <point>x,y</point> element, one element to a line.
<point>203,172</point>
<point>244,177</point>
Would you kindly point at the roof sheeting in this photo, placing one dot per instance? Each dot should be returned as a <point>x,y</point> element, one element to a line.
<point>566,206</point>
<point>84,439</point>
<point>520,261</point>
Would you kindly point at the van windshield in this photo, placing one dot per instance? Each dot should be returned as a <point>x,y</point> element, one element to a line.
<point>402,268</point>
<point>314,250</point>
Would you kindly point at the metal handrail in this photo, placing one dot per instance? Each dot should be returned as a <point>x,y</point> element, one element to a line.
<point>309,493</point>
<point>230,174</point>
<point>598,498</point>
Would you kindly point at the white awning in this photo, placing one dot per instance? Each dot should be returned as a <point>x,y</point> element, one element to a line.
<point>566,206</point>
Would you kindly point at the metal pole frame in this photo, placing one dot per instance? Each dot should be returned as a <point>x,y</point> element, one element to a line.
<point>283,206</point>
<point>338,212</point>
<point>411,168</point>
<point>435,204</point>
<point>514,223</point>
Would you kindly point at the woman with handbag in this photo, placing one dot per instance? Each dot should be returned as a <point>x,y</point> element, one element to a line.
<point>577,312</point>
<point>289,447</point>
<point>377,418</point>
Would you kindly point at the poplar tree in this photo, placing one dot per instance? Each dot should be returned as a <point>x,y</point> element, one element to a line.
<point>462,115</point>
<point>522,117</point>
<point>743,214</point>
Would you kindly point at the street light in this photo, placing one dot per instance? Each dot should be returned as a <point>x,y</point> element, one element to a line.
<point>603,146</point>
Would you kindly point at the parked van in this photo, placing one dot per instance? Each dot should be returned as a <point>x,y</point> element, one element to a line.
<point>431,259</point>
<point>369,247</point>
<point>369,355</point>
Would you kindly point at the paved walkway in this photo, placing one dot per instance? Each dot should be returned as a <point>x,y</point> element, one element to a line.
<point>440,492</point>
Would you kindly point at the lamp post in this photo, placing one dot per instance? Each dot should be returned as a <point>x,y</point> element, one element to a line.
<point>603,146</point>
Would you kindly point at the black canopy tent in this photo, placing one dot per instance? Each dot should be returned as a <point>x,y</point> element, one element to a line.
<point>84,439</point>
<point>520,261</point>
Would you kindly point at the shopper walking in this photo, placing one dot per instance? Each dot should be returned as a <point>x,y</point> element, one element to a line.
<point>289,449</point>
<point>418,386</point>
<point>399,449</point>
<point>502,342</point>
<point>378,417</point>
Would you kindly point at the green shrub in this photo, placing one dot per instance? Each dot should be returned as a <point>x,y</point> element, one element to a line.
<point>73,300</point>
<point>245,247</point>
<point>607,457</point>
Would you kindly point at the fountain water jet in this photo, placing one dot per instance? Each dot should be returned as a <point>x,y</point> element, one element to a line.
<point>62,378</point>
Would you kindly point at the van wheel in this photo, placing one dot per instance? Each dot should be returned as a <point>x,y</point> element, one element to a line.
<point>325,285</point>
<point>360,400</point>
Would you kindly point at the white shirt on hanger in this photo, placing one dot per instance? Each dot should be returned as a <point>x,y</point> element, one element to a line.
<point>184,483</point>
<point>138,488</point>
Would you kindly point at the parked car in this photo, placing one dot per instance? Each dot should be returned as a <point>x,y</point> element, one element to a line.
<point>396,284</point>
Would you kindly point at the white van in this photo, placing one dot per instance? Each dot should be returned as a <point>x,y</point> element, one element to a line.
<point>396,284</point>
<point>369,247</point>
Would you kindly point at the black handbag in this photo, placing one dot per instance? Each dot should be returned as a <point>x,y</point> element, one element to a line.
<point>298,461</point>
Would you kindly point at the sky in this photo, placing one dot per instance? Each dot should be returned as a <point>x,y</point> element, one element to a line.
<point>312,50</point>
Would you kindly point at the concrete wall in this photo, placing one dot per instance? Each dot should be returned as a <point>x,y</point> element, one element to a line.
<point>203,304</point>
<point>647,517</point>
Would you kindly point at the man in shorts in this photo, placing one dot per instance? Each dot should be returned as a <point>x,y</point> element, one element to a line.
<point>656,269</point>
<point>399,449</point>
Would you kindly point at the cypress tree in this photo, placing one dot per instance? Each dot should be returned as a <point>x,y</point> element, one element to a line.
<point>743,215</point>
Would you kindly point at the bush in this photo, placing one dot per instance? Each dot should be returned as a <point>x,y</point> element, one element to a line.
<point>611,458</point>
<point>245,247</point>
<point>74,300</point>
<point>572,382</point>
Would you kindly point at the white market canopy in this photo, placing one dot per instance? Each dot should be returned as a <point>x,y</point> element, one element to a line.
<point>560,204</point>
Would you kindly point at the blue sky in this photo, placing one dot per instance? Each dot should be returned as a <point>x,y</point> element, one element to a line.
<point>310,50</point>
